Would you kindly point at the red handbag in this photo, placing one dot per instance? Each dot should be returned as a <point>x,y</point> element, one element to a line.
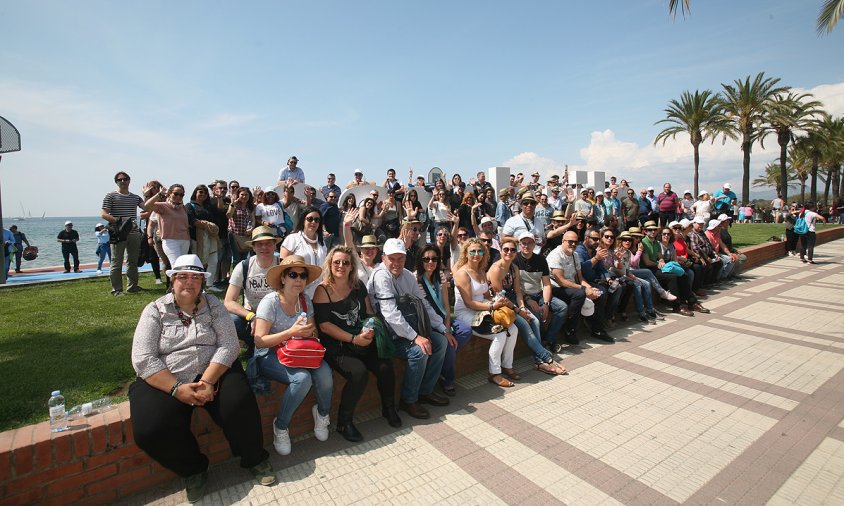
<point>302,352</point>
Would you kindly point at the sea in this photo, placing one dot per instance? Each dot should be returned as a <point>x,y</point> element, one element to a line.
<point>42,232</point>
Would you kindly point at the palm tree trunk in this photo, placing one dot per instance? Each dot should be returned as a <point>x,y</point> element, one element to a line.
<point>814,188</point>
<point>802,192</point>
<point>697,166</point>
<point>838,181</point>
<point>745,179</point>
<point>827,184</point>
<point>783,186</point>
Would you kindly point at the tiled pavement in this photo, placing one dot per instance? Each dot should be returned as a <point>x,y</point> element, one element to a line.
<point>742,406</point>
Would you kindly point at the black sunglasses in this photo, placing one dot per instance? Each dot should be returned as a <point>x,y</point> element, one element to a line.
<point>123,180</point>
<point>312,219</point>
<point>297,275</point>
<point>430,259</point>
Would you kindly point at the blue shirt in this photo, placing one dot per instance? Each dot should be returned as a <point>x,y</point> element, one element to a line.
<point>724,199</point>
<point>330,188</point>
<point>288,173</point>
<point>591,273</point>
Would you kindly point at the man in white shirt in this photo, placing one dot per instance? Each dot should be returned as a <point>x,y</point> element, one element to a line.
<point>807,240</point>
<point>525,221</point>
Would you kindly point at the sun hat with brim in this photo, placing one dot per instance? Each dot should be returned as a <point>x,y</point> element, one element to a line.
<point>713,224</point>
<point>369,241</point>
<point>411,220</point>
<point>190,264</point>
<point>581,216</point>
<point>650,225</point>
<point>293,261</point>
<point>558,215</point>
<point>487,219</point>
<point>522,191</point>
<point>528,195</point>
<point>625,235</point>
<point>635,232</point>
<point>687,192</point>
<point>673,224</point>
<point>263,233</point>
<point>504,192</point>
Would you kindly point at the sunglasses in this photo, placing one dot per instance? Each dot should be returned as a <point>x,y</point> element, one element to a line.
<point>123,180</point>
<point>461,235</point>
<point>667,234</point>
<point>178,194</point>
<point>508,250</point>
<point>189,277</point>
<point>430,259</point>
<point>443,234</point>
<point>570,241</point>
<point>344,263</point>
<point>414,229</point>
<point>313,219</point>
<point>332,197</point>
<point>528,203</point>
<point>488,241</point>
<point>297,275</point>
<point>595,237</point>
<point>609,236</point>
<point>476,252</point>
<point>626,239</point>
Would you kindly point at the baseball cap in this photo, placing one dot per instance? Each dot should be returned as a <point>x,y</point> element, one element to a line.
<point>727,186</point>
<point>713,224</point>
<point>527,235</point>
<point>699,219</point>
<point>393,246</point>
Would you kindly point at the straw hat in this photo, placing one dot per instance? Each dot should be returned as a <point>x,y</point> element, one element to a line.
<point>504,192</point>
<point>650,225</point>
<point>558,216</point>
<point>369,241</point>
<point>275,273</point>
<point>635,232</point>
<point>263,233</point>
<point>528,195</point>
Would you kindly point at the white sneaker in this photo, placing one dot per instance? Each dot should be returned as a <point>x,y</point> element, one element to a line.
<point>666,295</point>
<point>158,282</point>
<point>320,425</point>
<point>281,440</point>
<point>99,271</point>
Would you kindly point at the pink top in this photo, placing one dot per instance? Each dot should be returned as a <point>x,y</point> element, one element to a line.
<point>172,221</point>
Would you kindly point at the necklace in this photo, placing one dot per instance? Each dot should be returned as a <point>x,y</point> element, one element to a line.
<point>308,239</point>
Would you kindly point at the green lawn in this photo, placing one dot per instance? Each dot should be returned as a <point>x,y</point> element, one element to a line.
<point>74,336</point>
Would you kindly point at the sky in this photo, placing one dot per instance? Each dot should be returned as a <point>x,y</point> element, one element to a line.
<point>193,91</point>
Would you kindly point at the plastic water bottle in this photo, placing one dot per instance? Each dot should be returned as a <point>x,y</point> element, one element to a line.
<point>369,325</point>
<point>303,319</point>
<point>58,416</point>
<point>89,408</point>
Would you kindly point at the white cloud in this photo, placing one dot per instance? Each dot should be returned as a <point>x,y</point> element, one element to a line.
<point>831,95</point>
<point>529,162</point>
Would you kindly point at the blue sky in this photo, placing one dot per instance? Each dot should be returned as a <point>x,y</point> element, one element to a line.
<point>192,91</point>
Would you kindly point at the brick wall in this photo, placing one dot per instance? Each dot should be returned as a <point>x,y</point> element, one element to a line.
<point>97,461</point>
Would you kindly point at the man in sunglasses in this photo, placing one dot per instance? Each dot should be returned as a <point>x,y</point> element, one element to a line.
<point>409,234</point>
<point>330,219</point>
<point>120,209</point>
<point>391,286</point>
<point>629,209</point>
<point>525,221</point>
<point>591,258</point>
<point>567,284</point>
<point>331,186</point>
<point>292,174</point>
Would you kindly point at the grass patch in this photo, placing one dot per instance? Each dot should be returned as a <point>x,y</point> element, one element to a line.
<point>749,234</point>
<point>72,336</point>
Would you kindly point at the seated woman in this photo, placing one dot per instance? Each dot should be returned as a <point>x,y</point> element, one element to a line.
<point>185,353</point>
<point>341,307</point>
<point>471,297</point>
<point>639,288</point>
<point>278,321</point>
<point>367,250</point>
<point>435,286</point>
<point>503,275</point>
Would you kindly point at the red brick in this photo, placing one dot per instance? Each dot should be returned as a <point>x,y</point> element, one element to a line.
<point>23,460</point>
<point>107,497</point>
<point>5,466</point>
<point>134,462</point>
<point>114,428</point>
<point>63,447</point>
<point>59,487</point>
<point>72,496</point>
<point>80,443</point>
<point>43,454</point>
<point>98,439</point>
<point>44,477</point>
<point>110,456</point>
<point>31,496</point>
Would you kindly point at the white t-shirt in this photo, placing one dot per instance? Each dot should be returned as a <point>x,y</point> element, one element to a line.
<point>256,286</point>
<point>558,260</point>
<point>703,208</point>
<point>271,213</point>
<point>811,218</point>
<point>297,245</point>
<point>518,224</point>
<point>440,211</point>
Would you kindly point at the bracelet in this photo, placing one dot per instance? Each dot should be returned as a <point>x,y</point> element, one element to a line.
<point>249,316</point>
<point>175,387</point>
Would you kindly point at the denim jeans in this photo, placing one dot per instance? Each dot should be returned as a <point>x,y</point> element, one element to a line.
<point>105,250</point>
<point>462,332</point>
<point>529,332</point>
<point>642,296</point>
<point>557,313</point>
<point>423,371</point>
<point>298,383</point>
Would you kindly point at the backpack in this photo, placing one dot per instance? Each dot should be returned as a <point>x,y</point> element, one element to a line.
<point>800,225</point>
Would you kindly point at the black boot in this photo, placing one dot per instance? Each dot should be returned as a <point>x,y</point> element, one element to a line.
<point>392,416</point>
<point>347,429</point>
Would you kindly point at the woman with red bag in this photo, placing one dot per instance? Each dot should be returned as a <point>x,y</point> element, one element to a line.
<point>283,335</point>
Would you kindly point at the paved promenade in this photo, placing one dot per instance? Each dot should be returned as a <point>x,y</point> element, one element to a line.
<point>741,406</point>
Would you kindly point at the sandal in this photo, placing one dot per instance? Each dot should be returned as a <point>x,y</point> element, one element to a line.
<point>500,380</point>
<point>511,373</point>
<point>552,368</point>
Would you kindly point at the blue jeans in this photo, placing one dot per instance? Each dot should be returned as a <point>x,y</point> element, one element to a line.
<point>642,295</point>
<point>422,370</point>
<point>298,383</point>
<point>558,312</point>
<point>528,331</point>
<point>105,251</point>
<point>462,332</point>
<point>244,333</point>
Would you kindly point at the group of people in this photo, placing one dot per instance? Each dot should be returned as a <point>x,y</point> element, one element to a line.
<point>528,266</point>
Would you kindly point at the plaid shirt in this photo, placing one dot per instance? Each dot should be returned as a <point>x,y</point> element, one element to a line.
<point>700,244</point>
<point>240,221</point>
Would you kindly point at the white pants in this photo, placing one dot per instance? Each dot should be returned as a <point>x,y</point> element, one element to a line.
<point>174,248</point>
<point>501,349</point>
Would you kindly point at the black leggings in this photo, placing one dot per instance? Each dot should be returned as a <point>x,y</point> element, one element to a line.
<point>161,424</point>
<point>355,369</point>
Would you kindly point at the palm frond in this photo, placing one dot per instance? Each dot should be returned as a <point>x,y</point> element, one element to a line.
<point>831,12</point>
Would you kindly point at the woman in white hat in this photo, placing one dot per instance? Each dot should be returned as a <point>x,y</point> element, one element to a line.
<point>279,320</point>
<point>270,213</point>
<point>185,355</point>
<point>703,206</point>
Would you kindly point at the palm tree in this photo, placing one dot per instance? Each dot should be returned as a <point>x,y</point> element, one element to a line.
<point>745,104</point>
<point>831,11</point>
<point>771,177</point>
<point>832,154</point>
<point>701,116</point>
<point>785,114</point>
<point>799,168</point>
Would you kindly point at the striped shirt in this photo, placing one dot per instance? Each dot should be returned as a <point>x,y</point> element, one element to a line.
<point>123,206</point>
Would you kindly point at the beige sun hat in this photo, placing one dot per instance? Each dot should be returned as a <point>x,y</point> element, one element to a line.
<point>275,273</point>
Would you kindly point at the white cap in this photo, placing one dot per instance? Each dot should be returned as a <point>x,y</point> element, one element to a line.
<point>358,171</point>
<point>607,189</point>
<point>68,223</point>
<point>650,188</point>
<point>527,235</point>
<point>713,224</point>
<point>393,246</point>
<point>98,225</point>
<point>487,219</point>
<point>723,217</point>
<point>699,219</point>
<point>685,222</point>
<point>269,189</point>
<point>702,193</point>
<point>687,191</point>
<point>675,222</point>
<point>727,186</point>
